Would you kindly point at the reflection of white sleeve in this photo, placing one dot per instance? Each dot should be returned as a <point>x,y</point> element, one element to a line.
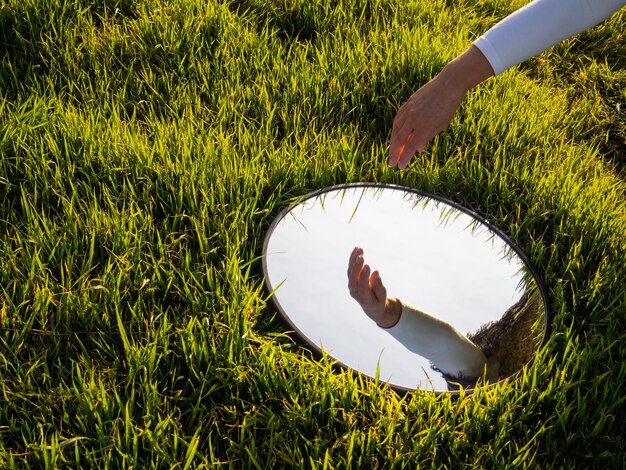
<point>538,26</point>
<point>439,342</point>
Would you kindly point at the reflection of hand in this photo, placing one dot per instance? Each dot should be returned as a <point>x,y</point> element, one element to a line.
<point>431,108</point>
<point>369,291</point>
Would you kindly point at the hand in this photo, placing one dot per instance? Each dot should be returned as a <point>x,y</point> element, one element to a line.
<point>369,291</point>
<point>425,114</point>
<point>431,108</point>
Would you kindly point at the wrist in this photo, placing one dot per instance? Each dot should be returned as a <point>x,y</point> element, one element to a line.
<point>466,71</point>
<point>393,311</point>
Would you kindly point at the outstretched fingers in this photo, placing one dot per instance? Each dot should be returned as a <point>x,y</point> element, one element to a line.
<point>355,265</point>
<point>366,287</point>
<point>404,143</point>
<point>361,284</point>
<point>412,145</point>
<point>397,146</point>
<point>399,136</point>
<point>364,293</point>
<point>377,287</point>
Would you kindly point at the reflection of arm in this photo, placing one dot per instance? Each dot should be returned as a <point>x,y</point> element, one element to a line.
<point>438,341</point>
<point>538,26</point>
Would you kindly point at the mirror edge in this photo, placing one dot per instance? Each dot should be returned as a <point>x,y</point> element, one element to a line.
<point>313,348</point>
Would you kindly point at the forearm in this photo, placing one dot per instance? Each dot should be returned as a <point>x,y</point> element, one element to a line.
<point>538,26</point>
<point>441,343</point>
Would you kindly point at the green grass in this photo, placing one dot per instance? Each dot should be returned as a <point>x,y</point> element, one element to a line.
<point>145,147</point>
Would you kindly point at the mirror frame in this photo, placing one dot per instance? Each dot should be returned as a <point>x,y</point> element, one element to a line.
<point>318,352</point>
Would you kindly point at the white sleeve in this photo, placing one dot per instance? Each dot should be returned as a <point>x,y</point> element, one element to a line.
<point>538,26</point>
<point>439,342</point>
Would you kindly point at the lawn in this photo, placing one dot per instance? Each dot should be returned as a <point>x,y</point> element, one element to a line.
<point>145,148</point>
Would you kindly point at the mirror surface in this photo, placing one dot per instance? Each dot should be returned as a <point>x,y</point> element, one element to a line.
<point>431,254</point>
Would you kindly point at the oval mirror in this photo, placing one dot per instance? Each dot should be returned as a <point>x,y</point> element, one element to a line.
<point>470,307</point>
